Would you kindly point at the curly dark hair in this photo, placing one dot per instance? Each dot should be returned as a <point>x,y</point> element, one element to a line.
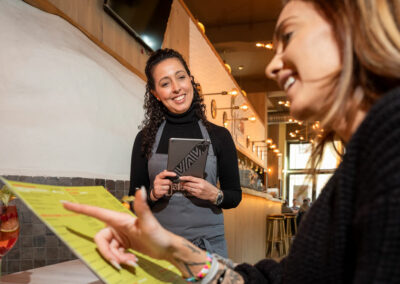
<point>154,109</point>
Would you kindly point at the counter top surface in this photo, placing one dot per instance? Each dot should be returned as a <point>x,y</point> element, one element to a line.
<point>74,271</point>
<point>260,194</point>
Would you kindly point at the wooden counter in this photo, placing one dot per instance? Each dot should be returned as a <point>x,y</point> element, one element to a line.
<point>245,226</point>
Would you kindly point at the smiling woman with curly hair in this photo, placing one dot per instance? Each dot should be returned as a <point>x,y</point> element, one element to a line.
<point>174,108</point>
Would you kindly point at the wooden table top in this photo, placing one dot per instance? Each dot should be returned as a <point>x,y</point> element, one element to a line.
<point>73,271</point>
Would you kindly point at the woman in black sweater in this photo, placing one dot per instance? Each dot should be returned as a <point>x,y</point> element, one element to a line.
<point>174,109</point>
<point>339,63</point>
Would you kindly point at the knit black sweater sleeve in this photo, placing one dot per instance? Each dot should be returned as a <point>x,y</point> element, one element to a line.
<point>139,170</point>
<point>266,271</point>
<point>377,216</point>
<point>227,165</point>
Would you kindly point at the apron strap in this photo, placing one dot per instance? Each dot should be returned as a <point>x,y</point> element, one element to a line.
<point>158,137</point>
<point>206,136</point>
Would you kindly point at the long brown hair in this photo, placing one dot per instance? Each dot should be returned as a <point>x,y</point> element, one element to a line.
<point>154,109</point>
<point>368,35</point>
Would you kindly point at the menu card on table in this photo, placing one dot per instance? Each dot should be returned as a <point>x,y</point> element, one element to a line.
<point>77,231</point>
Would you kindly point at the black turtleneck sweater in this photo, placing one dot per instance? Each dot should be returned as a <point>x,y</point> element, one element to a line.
<point>186,126</point>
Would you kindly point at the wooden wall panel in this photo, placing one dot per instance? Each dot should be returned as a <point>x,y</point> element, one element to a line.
<point>245,228</point>
<point>258,100</point>
<point>177,33</point>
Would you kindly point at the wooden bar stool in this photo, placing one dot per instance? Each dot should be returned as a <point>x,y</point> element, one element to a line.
<point>276,236</point>
<point>291,228</point>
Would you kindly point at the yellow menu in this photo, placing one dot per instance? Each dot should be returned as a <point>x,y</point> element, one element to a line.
<point>77,231</point>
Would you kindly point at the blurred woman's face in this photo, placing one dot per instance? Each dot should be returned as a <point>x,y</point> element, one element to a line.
<point>173,86</point>
<point>306,60</point>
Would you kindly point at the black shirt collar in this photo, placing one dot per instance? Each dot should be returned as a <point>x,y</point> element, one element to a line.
<point>181,118</point>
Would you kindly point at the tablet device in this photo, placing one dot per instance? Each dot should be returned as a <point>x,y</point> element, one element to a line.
<point>187,157</point>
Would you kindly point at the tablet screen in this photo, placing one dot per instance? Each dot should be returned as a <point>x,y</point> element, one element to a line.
<point>187,157</point>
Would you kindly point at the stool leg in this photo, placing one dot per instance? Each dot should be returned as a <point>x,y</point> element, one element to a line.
<point>274,238</point>
<point>284,247</point>
<point>268,238</point>
<point>289,233</point>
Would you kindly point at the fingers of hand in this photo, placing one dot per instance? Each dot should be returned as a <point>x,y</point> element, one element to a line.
<point>103,240</point>
<point>162,182</point>
<point>107,216</point>
<point>165,174</point>
<point>189,178</point>
<point>120,254</point>
<point>194,186</point>
<point>161,190</point>
<point>142,210</point>
<point>189,187</point>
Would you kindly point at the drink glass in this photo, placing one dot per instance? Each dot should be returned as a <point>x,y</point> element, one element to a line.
<point>9,227</point>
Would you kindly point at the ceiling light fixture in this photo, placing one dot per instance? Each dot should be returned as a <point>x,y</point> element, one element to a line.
<point>225,119</point>
<point>269,46</point>
<point>232,92</point>
<point>214,108</point>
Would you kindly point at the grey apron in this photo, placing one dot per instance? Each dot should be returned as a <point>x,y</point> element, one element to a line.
<point>197,220</point>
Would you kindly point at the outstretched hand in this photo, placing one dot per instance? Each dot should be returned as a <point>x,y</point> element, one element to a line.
<point>143,234</point>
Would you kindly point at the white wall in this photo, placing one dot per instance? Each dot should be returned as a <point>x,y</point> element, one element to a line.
<point>67,108</point>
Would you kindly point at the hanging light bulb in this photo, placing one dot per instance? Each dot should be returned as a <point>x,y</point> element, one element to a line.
<point>228,67</point>
<point>233,92</point>
<point>201,26</point>
<point>269,46</point>
<point>244,107</point>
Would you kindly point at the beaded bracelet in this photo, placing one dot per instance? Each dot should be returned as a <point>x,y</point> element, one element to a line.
<point>228,263</point>
<point>203,272</point>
